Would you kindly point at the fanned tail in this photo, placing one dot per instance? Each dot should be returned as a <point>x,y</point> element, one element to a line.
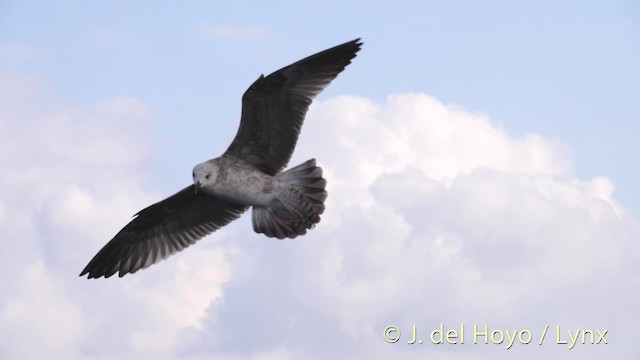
<point>298,207</point>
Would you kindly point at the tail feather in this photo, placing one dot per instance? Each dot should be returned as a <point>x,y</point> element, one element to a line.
<point>297,206</point>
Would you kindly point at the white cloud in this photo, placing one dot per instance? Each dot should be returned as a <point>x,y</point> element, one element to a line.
<point>72,177</point>
<point>435,215</point>
<point>39,308</point>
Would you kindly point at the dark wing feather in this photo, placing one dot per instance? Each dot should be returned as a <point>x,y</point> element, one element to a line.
<point>160,230</point>
<point>274,107</point>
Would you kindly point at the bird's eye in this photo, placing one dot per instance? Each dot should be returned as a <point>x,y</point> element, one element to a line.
<point>193,174</point>
<point>208,176</point>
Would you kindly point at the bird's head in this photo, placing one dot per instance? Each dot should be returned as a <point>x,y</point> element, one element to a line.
<point>204,174</point>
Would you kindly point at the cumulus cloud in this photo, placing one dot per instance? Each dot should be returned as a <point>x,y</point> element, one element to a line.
<point>435,215</point>
<point>73,175</point>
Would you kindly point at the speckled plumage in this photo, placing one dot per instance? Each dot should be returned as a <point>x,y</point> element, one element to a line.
<point>249,174</point>
<point>235,181</point>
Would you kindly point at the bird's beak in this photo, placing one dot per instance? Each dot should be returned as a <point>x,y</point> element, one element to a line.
<point>197,186</point>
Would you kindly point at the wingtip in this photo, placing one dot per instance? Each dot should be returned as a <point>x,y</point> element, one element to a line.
<point>357,42</point>
<point>90,275</point>
<point>96,275</point>
<point>354,46</point>
<point>85,271</point>
<point>94,272</point>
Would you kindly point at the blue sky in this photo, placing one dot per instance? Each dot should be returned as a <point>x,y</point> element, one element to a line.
<point>481,169</point>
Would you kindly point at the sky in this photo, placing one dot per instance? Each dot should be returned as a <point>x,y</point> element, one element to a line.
<point>479,158</point>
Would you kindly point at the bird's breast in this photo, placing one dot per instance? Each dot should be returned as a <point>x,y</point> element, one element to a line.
<point>242,184</point>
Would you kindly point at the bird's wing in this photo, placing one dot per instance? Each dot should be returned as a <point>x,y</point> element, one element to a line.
<point>160,230</point>
<point>273,108</point>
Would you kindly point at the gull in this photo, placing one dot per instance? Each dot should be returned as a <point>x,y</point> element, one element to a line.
<point>248,174</point>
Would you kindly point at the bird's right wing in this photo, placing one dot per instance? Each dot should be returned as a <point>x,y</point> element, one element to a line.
<point>162,229</point>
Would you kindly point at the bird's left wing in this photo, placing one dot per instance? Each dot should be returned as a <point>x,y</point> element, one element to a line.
<point>162,229</point>
<point>274,107</point>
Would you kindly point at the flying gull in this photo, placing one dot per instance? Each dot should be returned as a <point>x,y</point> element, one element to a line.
<point>248,174</point>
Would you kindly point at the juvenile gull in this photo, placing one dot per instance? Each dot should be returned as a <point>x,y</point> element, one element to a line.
<point>285,204</point>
